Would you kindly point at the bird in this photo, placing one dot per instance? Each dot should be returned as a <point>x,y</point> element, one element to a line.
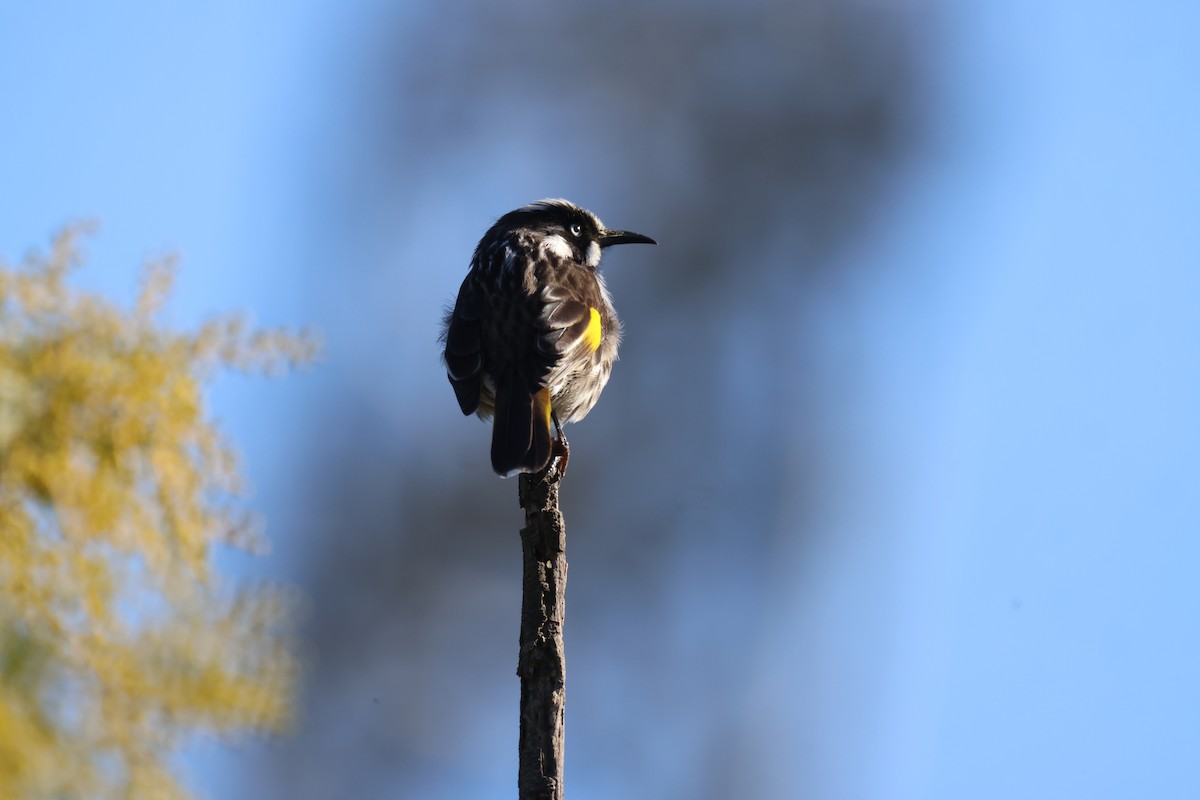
<point>532,335</point>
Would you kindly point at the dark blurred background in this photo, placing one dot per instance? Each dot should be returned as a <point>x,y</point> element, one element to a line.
<point>892,493</point>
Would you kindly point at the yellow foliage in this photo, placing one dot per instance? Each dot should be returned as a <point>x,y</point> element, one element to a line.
<point>117,638</point>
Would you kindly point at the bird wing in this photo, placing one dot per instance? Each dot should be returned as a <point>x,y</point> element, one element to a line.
<point>464,349</point>
<point>570,326</point>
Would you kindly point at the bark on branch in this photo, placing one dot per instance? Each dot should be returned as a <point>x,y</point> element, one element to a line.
<point>542,662</point>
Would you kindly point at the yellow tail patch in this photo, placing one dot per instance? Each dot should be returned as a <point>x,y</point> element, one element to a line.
<point>541,405</point>
<point>591,336</point>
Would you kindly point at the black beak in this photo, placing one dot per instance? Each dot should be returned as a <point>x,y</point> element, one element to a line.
<point>609,238</point>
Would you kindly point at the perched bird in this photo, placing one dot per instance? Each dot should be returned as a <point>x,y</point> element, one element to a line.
<point>532,336</point>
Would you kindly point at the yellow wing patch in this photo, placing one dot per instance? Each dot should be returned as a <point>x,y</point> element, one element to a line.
<point>591,336</point>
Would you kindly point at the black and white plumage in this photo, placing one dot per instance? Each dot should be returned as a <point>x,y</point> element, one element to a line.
<point>533,335</point>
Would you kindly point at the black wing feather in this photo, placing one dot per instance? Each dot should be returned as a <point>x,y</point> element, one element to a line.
<point>464,348</point>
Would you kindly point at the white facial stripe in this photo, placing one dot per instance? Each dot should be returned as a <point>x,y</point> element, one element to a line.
<point>558,246</point>
<point>604,290</point>
<point>593,254</point>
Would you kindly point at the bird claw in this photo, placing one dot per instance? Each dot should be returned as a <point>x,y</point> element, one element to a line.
<point>562,451</point>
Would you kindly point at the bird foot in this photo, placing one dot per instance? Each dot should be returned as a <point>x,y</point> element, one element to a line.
<point>562,451</point>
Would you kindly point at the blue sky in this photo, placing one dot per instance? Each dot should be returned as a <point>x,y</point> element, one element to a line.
<point>1050,512</point>
<point>1023,562</point>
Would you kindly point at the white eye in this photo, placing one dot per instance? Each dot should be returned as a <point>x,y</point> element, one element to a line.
<point>576,229</point>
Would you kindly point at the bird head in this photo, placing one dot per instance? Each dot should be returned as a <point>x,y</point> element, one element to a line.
<point>566,230</point>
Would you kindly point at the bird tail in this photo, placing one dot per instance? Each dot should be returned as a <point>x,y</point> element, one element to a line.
<point>521,428</point>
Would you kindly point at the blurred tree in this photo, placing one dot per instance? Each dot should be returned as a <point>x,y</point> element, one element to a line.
<point>116,636</point>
